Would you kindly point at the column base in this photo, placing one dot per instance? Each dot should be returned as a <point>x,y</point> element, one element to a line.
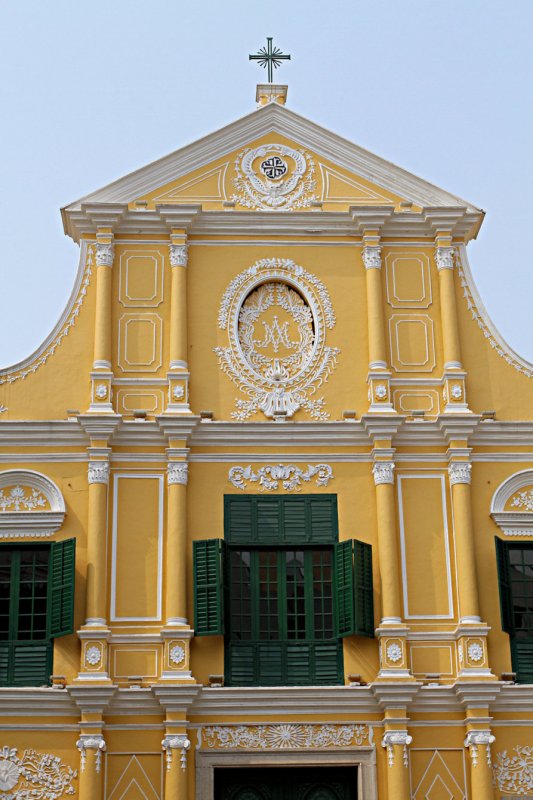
<point>176,652</point>
<point>94,637</point>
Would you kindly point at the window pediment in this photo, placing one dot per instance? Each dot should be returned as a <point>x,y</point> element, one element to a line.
<point>512,504</point>
<point>30,504</point>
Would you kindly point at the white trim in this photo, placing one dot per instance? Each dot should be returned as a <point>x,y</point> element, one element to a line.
<point>441,478</point>
<point>159,591</point>
<point>24,524</point>
<point>266,120</point>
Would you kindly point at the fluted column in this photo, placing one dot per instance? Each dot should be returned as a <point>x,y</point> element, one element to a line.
<point>101,376</point>
<point>460,476</point>
<point>91,747</point>
<point>178,376</point>
<point>378,370</point>
<point>478,743</point>
<point>389,562</point>
<point>444,258</point>
<point>396,743</point>
<point>176,553</point>
<point>176,747</point>
<point>98,478</point>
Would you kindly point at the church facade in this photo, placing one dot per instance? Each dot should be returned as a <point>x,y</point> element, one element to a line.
<point>266,492</point>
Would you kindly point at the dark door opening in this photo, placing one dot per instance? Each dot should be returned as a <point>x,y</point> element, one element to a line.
<point>286,783</point>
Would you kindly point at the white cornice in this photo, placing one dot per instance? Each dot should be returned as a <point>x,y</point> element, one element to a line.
<point>272,118</point>
<point>462,223</point>
<point>337,435</point>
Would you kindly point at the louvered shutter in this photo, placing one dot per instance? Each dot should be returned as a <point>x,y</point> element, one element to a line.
<point>61,588</point>
<point>363,589</point>
<point>208,587</point>
<point>506,601</point>
<point>344,589</point>
<point>522,655</point>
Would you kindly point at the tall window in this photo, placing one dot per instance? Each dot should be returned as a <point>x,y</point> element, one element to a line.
<point>36,605</point>
<point>515,568</point>
<point>282,590</point>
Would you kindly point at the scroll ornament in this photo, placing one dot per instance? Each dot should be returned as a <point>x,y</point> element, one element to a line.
<point>286,736</point>
<point>400,738</point>
<point>513,772</point>
<point>289,475</point>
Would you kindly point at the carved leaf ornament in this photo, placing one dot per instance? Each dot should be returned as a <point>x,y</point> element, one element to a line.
<point>276,314</point>
<point>513,773</point>
<point>274,177</point>
<point>33,776</point>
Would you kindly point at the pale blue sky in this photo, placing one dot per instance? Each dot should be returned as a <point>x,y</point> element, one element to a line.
<point>93,90</point>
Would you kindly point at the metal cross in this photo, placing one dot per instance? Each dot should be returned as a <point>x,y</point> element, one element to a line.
<point>269,57</point>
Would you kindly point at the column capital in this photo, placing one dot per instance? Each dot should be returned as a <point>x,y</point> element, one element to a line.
<point>98,472</point>
<point>105,254</point>
<point>401,739</point>
<point>179,254</point>
<point>372,256</point>
<point>94,742</point>
<point>383,472</point>
<point>177,741</point>
<point>474,739</point>
<point>460,472</point>
<point>444,257</point>
<point>177,473</point>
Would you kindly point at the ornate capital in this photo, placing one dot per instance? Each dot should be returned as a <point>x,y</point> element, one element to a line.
<point>105,254</point>
<point>383,472</point>
<point>444,257</point>
<point>372,257</point>
<point>179,254</point>
<point>176,742</point>
<point>399,738</point>
<point>459,472</point>
<point>94,742</point>
<point>177,472</point>
<point>474,739</point>
<point>98,472</point>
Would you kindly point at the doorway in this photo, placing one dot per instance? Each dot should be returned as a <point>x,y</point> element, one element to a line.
<point>286,783</point>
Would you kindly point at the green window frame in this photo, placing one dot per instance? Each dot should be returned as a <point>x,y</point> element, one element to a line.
<point>515,577</point>
<point>282,590</point>
<point>36,606</point>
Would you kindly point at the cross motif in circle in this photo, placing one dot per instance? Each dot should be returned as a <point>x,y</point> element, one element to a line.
<point>269,57</point>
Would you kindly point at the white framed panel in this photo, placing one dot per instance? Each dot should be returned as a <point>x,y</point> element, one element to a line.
<point>140,283</point>
<point>118,569</point>
<point>412,342</point>
<point>448,613</point>
<point>416,295</point>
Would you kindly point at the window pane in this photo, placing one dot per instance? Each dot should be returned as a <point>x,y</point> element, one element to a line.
<point>268,595</point>
<point>240,589</point>
<point>294,560</point>
<point>322,593</point>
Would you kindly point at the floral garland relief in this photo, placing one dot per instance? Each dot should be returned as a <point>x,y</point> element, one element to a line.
<point>513,774</point>
<point>287,736</point>
<point>275,315</point>
<point>33,776</point>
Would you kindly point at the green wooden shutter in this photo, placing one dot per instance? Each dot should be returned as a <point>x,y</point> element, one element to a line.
<point>363,589</point>
<point>506,601</point>
<point>344,588</point>
<point>208,587</point>
<point>62,567</point>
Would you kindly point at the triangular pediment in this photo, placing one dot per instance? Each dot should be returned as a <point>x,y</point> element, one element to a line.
<point>338,173</point>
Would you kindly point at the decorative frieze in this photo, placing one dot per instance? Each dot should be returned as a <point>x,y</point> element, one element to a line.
<point>98,472</point>
<point>288,475</point>
<point>372,257</point>
<point>105,254</point>
<point>444,257</point>
<point>476,738</point>
<point>286,736</point>
<point>513,772</point>
<point>177,473</point>
<point>176,742</point>
<point>39,776</point>
<point>179,255</point>
<point>459,472</point>
<point>383,472</point>
<point>94,742</point>
<point>400,739</point>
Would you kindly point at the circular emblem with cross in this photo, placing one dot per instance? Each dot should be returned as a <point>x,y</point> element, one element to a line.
<point>274,168</point>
